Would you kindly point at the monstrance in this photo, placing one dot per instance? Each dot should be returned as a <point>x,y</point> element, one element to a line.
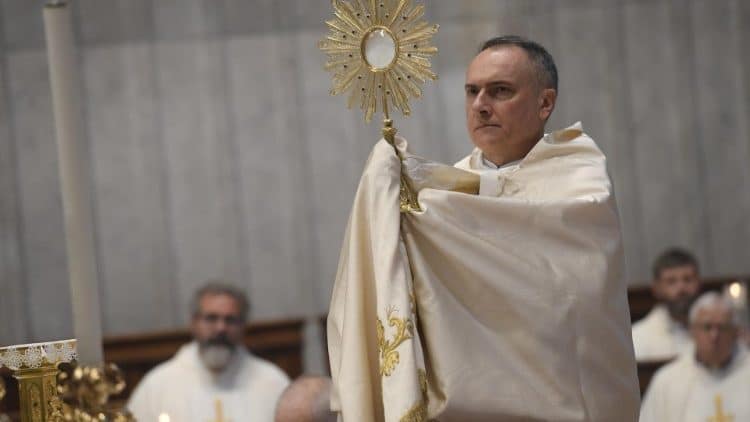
<point>380,51</point>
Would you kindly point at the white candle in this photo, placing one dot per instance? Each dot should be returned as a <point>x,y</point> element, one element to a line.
<point>163,417</point>
<point>74,181</point>
<point>738,293</point>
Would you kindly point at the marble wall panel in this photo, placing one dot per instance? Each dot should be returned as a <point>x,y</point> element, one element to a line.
<point>337,153</point>
<point>131,215</point>
<point>592,92</point>
<point>114,21</point>
<point>247,18</point>
<point>183,20</point>
<point>682,48</point>
<point>22,24</point>
<point>218,152</point>
<point>42,229</point>
<point>670,215</point>
<point>723,131</point>
<point>741,37</point>
<point>447,10</point>
<point>267,149</point>
<point>198,158</point>
<point>301,15</point>
<point>12,281</point>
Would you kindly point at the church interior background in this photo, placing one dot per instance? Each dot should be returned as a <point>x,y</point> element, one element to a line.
<point>216,150</point>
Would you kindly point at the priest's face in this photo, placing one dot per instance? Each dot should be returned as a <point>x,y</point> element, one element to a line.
<point>677,288</point>
<point>506,104</point>
<point>217,327</point>
<point>714,334</point>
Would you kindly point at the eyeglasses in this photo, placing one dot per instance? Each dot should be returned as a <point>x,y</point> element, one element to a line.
<point>215,318</point>
<point>707,327</point>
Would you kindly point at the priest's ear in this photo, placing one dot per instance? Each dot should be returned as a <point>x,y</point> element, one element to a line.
<point>547,100</point>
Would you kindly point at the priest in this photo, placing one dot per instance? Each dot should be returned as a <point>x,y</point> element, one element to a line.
<point>710,382</point>
<point>502,297</point>
<point>213,378</point>
<point>663,333</point>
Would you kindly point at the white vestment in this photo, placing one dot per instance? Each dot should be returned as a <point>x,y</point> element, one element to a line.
<point>658,337</point>
<point>185,390</point>
<point>505,306</point>
<point>686,391</point>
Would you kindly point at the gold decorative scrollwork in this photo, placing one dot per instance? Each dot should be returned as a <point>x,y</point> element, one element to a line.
<point>388,85</point>
<point>54,404</point>
<point>418,413</point>
<point>35,401</point>
<point>85,393</point>
<point>389,356</point>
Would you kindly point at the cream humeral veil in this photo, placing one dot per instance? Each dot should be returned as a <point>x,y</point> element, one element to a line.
<point>484,307</point>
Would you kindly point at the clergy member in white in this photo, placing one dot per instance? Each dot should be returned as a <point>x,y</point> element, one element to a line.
<point>710,383</point>
<point>503,298</point>
<point>213,378</point>
<point>663,334</point>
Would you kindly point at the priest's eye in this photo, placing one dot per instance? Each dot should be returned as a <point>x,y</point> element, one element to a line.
<point>471,91</point>
<point>500,91</point>
<point>214,318</point>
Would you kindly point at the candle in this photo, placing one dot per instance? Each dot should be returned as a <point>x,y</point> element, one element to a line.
<point>737,293</point>
<point>163,417</point>
<point>74,181</point>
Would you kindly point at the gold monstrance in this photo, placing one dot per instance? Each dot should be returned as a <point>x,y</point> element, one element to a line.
<point>379,50</point>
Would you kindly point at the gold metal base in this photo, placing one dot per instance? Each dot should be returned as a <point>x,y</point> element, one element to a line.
<point>37,388</point>
<point>407,197</point>
<point>85,393</point>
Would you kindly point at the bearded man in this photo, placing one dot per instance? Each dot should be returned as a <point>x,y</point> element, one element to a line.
<point>213,377</point>
<point>663,333</point>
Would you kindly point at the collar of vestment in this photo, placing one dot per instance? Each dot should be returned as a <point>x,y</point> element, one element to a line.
<point>477,161</point>
<point>665,319</point>
<point>739,354</point>
<point>188,356</point>
<point>563,164</point>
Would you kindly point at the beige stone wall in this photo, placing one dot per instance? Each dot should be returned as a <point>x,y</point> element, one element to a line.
<point>217,151</point>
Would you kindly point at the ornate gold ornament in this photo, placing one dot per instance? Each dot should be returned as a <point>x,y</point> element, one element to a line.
<point>720,416</point>
<point>380,50</point>
<point>418,413</point>
<point>389,356</point>
<point>85,393</point>
<point>53,389</point>
<point>35,368</point>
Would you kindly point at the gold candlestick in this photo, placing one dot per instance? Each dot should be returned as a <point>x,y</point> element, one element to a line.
<point>85,393</point>
<point>380,51</point>
<point>35,368</point>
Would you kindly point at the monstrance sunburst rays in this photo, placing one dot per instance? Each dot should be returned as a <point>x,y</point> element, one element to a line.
<point>380,50</point>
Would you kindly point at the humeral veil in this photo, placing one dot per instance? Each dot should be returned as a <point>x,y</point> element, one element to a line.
<point>503,306</point>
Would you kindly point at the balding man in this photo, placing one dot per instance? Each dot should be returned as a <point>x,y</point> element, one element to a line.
<point>503,299</point>
<point>307,399</point>
<point>709,383</point>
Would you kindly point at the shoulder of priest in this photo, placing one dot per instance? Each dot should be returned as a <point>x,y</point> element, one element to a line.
<point>564,164</point>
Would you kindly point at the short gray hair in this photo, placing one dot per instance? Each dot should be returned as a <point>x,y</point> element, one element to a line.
<point>220,287</point>
<point>713,300</point>
<point>541,58</point>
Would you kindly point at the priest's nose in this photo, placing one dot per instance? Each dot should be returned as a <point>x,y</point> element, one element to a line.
<point>221,326</point>
<point>481,105</point>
